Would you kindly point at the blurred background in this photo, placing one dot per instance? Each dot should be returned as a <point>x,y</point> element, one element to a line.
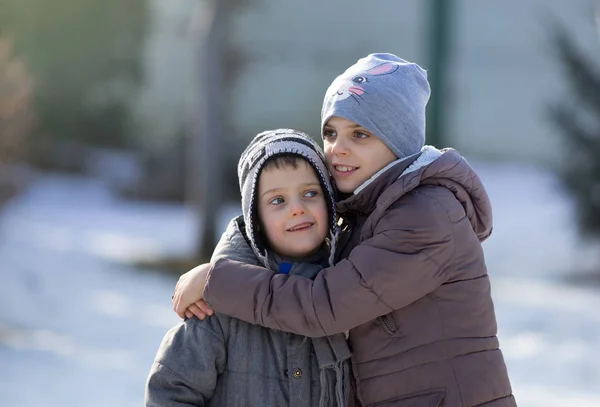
<point>121,123</point>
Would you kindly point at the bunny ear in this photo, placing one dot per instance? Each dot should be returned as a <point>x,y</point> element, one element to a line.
<point>383,69</point>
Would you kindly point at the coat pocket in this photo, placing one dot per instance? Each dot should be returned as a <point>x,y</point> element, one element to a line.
<point>431,398</point>
<point>388,323</point>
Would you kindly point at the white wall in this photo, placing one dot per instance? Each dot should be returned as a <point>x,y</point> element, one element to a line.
<point>502,73</point>
<point>296,48</point>
<point>505,74</point>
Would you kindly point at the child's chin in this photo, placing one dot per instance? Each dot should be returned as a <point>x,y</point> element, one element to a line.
<point>305,251</point>
<point>345,187</point>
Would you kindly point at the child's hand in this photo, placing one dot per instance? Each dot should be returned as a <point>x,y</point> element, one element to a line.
<point>188,293</point>
<point>199,309</point>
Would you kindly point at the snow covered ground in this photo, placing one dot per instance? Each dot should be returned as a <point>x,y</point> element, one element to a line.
<point>79,327</point>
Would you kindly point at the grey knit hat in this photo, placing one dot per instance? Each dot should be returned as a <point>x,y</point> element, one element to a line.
<point>387,96</point>
<point>269,144</point>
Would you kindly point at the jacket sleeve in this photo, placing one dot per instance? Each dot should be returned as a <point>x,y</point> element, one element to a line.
<point>408,257</point>
<point>186,367</point>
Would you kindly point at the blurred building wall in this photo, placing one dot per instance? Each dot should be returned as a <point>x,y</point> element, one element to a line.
<point>502,75</point>
<point>505,73</point>
<point>165,98</point>
<point>295,49</point>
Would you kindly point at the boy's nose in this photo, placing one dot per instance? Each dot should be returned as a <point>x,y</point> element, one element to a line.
<point>298,208</point>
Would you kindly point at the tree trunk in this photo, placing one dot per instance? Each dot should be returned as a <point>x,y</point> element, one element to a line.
<point>205,163</point>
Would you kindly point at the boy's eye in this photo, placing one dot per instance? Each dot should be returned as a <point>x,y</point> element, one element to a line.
<point>361,135</point>
<point>328,134</point>
<point>311,194</point>
<point>276,201</point>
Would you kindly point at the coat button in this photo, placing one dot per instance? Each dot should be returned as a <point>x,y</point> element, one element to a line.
<point>297,373</point>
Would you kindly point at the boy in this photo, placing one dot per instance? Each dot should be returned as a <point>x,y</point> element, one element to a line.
<point>288,225</point>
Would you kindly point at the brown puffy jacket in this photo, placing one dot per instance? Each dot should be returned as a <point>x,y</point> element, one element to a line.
<point>413,291</point>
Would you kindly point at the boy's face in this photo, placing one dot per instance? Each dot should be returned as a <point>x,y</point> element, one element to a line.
<point>353,153</point>
<point>292,210</point>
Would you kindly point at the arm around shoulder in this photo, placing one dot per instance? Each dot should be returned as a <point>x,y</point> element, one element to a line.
<point>407,257</point>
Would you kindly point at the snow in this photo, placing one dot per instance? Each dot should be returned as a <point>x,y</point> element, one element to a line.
<point>79,326</point>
